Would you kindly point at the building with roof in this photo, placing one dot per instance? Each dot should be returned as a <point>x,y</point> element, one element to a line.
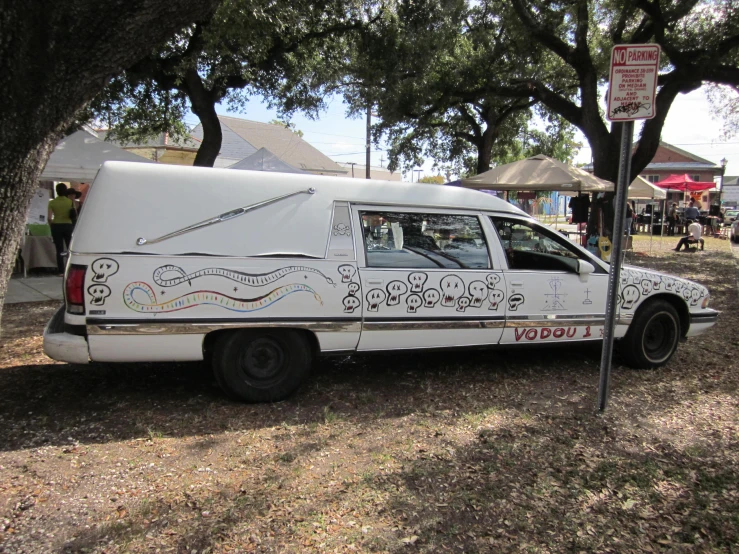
<point>730,196</point>
<point>671,160</point>
<point>162,149</point>
<point>242,138</point>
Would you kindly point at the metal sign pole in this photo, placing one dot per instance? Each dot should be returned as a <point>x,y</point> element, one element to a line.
<point>614,276</point>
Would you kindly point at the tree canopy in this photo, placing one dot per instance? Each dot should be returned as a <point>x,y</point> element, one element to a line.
<point>699,41</point>
<point>431,71</point>
<point>54,58</point>
<point>457,81</point>
<point>725,107</point>
<point>287,52</point>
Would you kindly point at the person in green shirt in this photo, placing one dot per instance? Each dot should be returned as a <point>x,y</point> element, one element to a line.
<point>60,222</point>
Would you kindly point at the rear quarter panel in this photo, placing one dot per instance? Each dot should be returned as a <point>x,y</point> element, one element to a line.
<point>200,289</point>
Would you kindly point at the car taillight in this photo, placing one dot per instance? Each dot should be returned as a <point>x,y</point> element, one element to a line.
<point>75,289</point>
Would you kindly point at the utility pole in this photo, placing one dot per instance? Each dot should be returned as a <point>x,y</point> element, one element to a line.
<point>367,144</point>
<point>419,171</point>
<point>724,161</point>
<point>352,164</point>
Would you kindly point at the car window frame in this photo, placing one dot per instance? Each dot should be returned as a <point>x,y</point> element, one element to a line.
<point>558,238</point>
<point>359,210</point>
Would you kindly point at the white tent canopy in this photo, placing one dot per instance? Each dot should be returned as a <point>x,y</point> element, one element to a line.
<point>538,173</point>
<point>79,156</point>
<point>641,189</point>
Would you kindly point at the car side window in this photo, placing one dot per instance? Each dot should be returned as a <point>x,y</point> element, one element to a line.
<point>424,241</point>
<point>529,247</point>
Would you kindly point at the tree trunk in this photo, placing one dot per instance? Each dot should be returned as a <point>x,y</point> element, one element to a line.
<point>203,104</point>
<point>484,156</point>
<point>19,172</point>
<point>53,60</point>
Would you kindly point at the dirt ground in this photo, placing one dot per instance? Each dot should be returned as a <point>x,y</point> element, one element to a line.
<point>497,451</point>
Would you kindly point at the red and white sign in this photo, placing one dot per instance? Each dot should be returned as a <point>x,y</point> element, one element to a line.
<point>633,85</point>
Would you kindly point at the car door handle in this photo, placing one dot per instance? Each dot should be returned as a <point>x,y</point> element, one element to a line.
<point>375,281</point>
<point>516,283</point>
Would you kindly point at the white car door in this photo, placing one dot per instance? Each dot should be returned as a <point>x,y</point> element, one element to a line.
<point>555,292</point>
<point>426,276</point>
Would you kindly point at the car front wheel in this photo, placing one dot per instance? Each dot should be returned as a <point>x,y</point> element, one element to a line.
<point>652,337</point>
<point>261,365</point>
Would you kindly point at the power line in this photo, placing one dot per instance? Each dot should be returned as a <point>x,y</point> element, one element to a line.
<point>685,144</point>
<point>332,134</point>
<point>320,142</point>
<point>353,153</point>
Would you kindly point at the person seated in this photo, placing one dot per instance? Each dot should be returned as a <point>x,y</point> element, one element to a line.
<point>694,236</point>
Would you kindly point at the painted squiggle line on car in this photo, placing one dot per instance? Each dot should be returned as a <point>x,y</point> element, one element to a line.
<point>208,298</point>
<point>249,279</point>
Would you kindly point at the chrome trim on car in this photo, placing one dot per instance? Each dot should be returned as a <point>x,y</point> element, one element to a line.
<point>554,320</point>
<point>554,317</point>
<point>423,325</point>
<point>710,316</point>
<point>200,328</point>
<point>571,322</point>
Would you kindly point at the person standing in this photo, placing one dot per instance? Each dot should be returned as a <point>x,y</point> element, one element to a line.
<point>74,196</point>
<point>691,212</point>
<point>629,217</point>
<point>60,221</point>
<point>672,220</point>
<point>694,235</point>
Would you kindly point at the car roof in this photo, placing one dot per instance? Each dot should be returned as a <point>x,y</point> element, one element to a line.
<point>154,200</point>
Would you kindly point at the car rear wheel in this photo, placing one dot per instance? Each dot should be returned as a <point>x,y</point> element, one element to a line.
<point>652,337</point>
<point>261,365</point>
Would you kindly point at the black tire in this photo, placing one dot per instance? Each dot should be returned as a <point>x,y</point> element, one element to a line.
<point>652,337</point>
<point>261,365</point>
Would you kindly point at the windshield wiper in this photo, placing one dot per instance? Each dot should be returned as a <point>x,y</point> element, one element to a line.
<point>141,241</point>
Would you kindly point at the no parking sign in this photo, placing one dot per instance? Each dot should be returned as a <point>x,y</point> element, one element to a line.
<point>633,84</point>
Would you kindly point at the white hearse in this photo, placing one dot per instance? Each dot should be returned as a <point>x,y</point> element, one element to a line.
<point>261,272</point>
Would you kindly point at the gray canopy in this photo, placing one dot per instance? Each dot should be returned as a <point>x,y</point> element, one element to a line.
<point>264,160</point>
<point>79,156</point>
<point>538,173</point>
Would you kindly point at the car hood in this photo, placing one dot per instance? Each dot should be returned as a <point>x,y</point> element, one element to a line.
<point>638,284</point>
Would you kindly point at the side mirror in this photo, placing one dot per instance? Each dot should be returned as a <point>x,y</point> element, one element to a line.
<point>584,268</point>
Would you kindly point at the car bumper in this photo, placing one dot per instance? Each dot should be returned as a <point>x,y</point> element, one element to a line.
<point>62,346</point>
<point>702,321</point>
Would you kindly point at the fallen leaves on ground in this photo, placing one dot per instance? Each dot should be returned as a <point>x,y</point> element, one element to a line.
<point>498,451</point>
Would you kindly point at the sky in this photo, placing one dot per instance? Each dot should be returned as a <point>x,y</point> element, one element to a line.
<point>689,125</point>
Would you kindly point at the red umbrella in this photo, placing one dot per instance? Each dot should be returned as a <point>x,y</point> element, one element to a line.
<point>684,183</point>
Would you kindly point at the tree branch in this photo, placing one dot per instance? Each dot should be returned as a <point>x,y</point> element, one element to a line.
<point>557,103</point>
<point>652,130</point>
<point>471,121</point>
<point>542,34</point>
